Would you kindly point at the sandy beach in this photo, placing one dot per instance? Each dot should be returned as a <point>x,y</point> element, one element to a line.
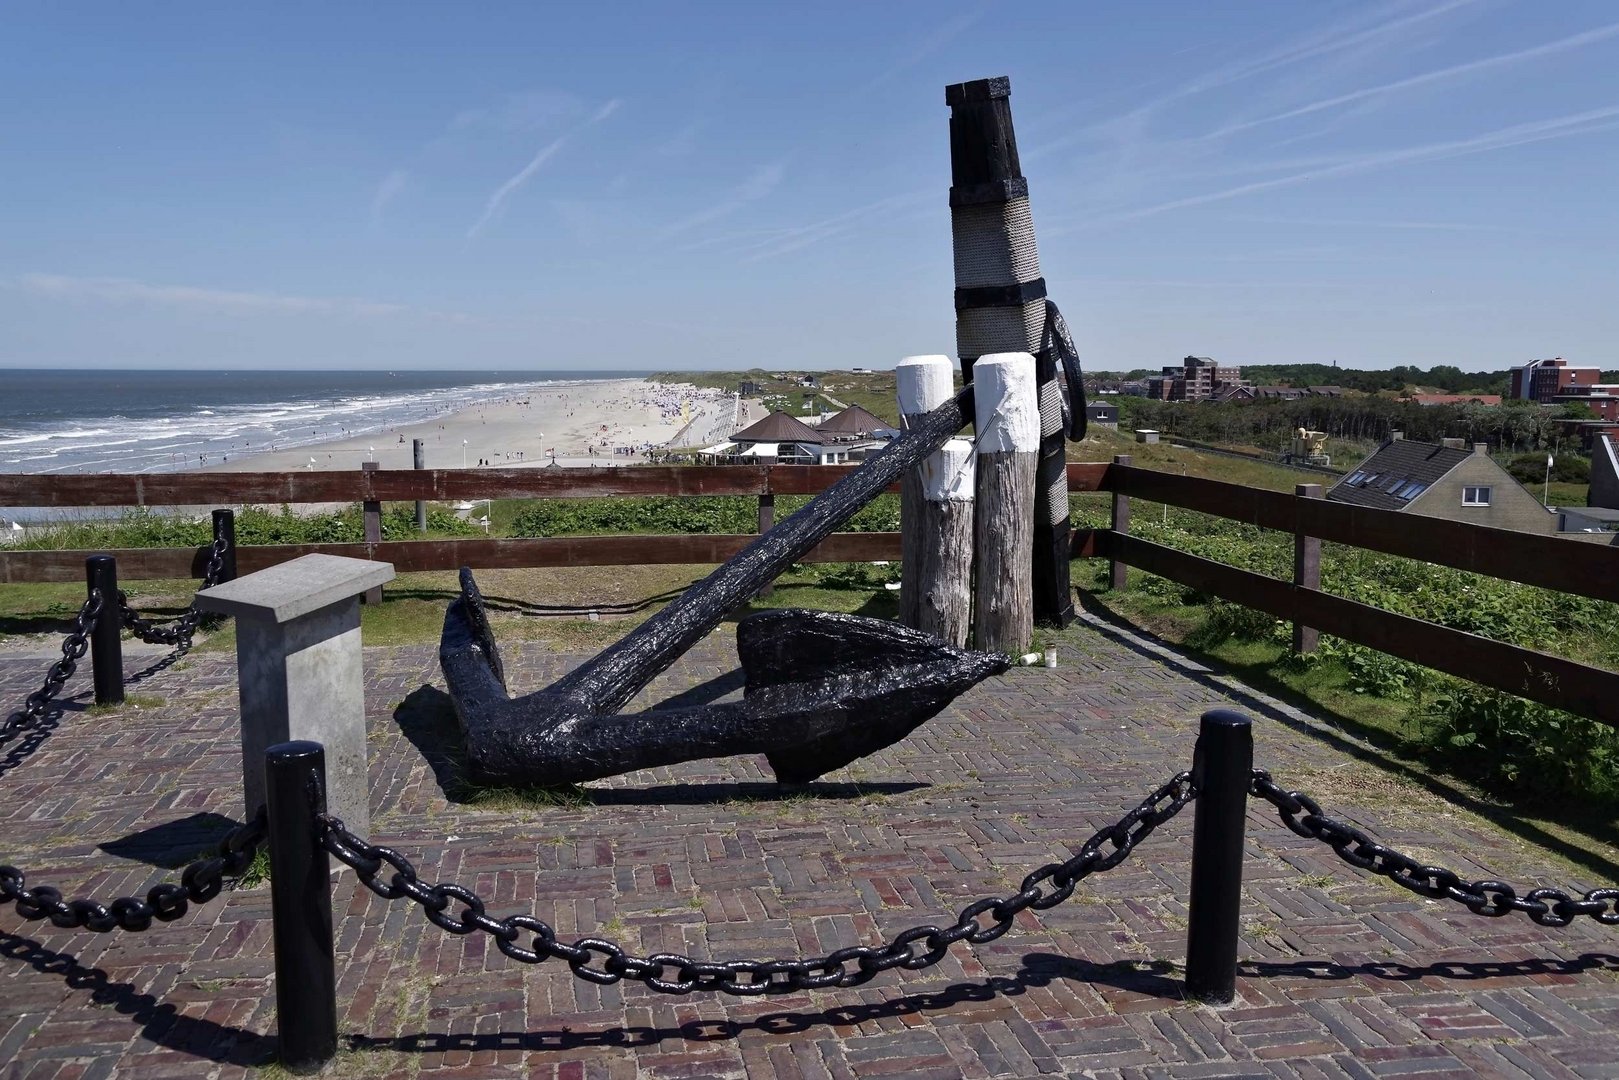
<point>580,424</point>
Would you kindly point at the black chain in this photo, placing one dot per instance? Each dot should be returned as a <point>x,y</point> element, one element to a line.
<point>74,646</point>
<point>751,977</point>
<point>1548,907</point>
<point>178,631</point>
<point>199,883</point>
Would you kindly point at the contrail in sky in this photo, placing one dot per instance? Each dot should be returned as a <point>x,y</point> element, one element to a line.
<point>536,163</point>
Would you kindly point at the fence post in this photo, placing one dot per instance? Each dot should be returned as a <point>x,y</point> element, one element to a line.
<point>1222,768</point>
<point>767,518</point>
<point>1306,571</point>
<point>106,644</point>
<point>225,529</point>
<point>1121,526</point>
<point>301,907</point>
<point>418,460</point>
<point>1008,423</point>
<point>936,512</point>
<point>372,511</point>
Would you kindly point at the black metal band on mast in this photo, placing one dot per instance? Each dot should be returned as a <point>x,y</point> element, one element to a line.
<point>1000,302</point>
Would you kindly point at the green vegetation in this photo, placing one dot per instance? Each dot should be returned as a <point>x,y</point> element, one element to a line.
<point>1512,747</point>
<point>1441,378</point>
<point>1521,425</point>
<point>143,528</point>
<point>678,514</point>
<point>1530,469</point>
<point>873,391</point>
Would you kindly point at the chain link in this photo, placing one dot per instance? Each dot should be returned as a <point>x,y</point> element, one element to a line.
<point>179,631</point>
<point>74,646</point>
<point>200,882</point>
<point>458,910</point>
<point>1548,907</point>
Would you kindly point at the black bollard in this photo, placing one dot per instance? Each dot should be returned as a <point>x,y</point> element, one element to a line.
<point>301,905</point>
<point>225,529</point>
<point>106,645</point>
<point>1222,768</point>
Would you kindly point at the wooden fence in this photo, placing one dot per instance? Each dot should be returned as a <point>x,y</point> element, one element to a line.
<point>1545,561</point>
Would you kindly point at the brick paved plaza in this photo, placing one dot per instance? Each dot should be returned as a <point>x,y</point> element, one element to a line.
<point>1342,976</point>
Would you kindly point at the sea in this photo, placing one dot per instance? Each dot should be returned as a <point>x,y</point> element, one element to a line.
<point>165,421</point>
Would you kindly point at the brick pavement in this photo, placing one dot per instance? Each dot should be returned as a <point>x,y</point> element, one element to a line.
<point>1343,976</point>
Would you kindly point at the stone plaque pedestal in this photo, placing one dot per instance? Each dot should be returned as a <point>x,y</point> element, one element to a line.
<point>300,673</point>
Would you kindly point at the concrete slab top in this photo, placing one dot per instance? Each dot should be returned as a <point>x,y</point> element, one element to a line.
<point>292,589</point>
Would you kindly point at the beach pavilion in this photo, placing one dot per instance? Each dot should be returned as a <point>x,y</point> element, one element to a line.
<point>781,438</point>
<point>854,433</point>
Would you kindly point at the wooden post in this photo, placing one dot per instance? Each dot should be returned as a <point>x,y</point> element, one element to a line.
<point>418,460</point>
<point>935,513</point>
<point>372,512</point>
<point>1306,571</point>
<point>944,557</point>
<point>1121,526</point>
<point>1001,306</point>
<point>767,518</point>
<point>1008,423</point>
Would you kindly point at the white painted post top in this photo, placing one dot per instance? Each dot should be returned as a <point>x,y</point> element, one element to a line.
<point>1007,404</point>
<point>924,383</point>
<point>288,590</point>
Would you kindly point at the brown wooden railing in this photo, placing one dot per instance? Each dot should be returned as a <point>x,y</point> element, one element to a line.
<point>1545,561</point>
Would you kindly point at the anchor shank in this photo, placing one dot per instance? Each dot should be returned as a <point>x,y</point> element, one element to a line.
<point>607,682</point>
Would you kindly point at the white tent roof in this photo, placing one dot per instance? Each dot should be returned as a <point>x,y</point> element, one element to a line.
<point>763,449</point>
<point>719,448</point>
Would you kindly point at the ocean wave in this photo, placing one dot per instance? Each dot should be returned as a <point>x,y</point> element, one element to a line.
<point>75,433</point>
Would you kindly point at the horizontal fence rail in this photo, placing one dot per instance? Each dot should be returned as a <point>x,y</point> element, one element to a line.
<point>1550,680</point>
<point>402,485</point>
<point>1551,562</point>
<point>409,556</point>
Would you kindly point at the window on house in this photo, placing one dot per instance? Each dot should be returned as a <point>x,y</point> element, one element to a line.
<point>1475,496</point>
<point>1411,490</point>
<point>1354,478</point>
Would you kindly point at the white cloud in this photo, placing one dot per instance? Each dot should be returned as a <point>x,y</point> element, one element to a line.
<point>217,301</point>
<point>1472,67</point>
<point>497,200</point>
<point>1592,121</point>
<point>386,192</point>
<point>761,182</point>
<point>533,110</point>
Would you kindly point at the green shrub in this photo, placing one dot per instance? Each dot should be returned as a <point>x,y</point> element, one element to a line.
<point>1223,620</point>
<point>680,514</point>
<point>1566,468</point>
<point>860,577</point>
<point>1517,746</point>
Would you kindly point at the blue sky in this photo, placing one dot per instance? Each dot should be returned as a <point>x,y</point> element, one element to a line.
<point>522,185</point>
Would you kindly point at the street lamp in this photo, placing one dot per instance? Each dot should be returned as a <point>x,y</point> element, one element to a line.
<point>463,453</point>
<point>372,451</point>
<point>1546,492</point>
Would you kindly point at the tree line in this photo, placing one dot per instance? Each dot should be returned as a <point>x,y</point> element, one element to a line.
<point>1445,377</point>
<point>1512,425</point>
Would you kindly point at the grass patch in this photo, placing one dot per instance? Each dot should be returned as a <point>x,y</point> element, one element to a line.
<point>257,872</point>
<point>1402,777</point>
<point>131,701</point>
<point>526,797</point>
